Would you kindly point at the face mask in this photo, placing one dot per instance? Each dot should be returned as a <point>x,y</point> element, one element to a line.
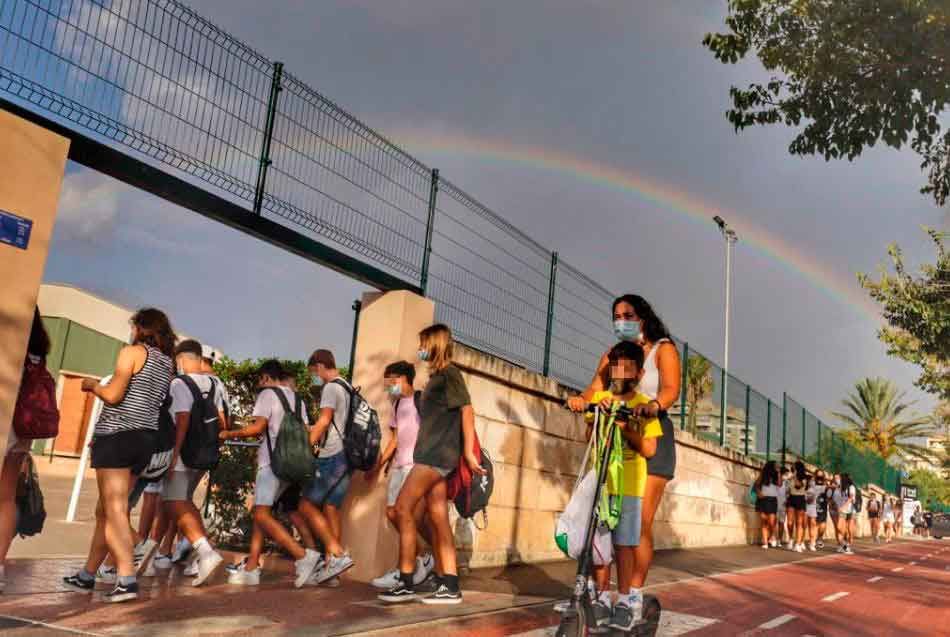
<point>423,355</point>
<point>317,381</point>
<point>627,330</point>
<point>394,390</point>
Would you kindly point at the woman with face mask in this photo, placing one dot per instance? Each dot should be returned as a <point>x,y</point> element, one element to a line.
<point>636,321</point>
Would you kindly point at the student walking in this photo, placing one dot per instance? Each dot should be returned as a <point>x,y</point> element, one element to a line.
<point>797,487</point>
<point>874,517</point>
<point>784,533</point>
<point>123,441</point>
<point>766,504</point>
<point>888,517</point>
<point>844,497</point>
<point>833,506</point>
<point>446,434</point>
<point>397,460</point>
<point>820,492</point>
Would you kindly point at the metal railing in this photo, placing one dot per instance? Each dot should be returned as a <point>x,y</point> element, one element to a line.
<point>165,85</point>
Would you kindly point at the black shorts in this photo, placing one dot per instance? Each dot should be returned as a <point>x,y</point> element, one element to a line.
<point>796,502</point>
<point>124,450</point>
<point>663,462</point>
<point>767,505</point>
<point>873,514</point>
<point>822,517</point>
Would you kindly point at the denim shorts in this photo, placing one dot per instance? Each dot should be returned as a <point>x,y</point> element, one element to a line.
<point>627,531</point>
<point>331,481</point>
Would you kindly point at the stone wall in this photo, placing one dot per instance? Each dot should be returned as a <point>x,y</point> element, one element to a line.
<point>537,447</point>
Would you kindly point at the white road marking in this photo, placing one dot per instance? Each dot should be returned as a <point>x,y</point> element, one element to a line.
<point>897,570</point>
<point>835,597</point>
<point>671,625</point>
<point>875,579</point>
<point>778,621</point>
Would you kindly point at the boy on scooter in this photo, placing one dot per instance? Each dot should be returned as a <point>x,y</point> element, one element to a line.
<point>639,443</point>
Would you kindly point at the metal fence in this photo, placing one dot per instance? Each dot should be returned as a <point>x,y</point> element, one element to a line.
<point>165,85</point>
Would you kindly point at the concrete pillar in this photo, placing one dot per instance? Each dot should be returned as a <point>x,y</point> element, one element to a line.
<point>32,161</point>
<point>388,331</point>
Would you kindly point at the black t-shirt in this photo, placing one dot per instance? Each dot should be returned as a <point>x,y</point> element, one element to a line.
<point>821,502</point>
<point>439,443</point>
<point>928,517</point>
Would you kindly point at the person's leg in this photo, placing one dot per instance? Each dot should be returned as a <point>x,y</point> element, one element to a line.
<point>420,481</point>
<point>9,475</point>
<point>391,516</point>
<point>764,521</point>
<point>802,527</point>
<point>114,492</point>
<point>649,504</point>
<point>265,521</point>
<point>438,508</point>
<point>150,506</point>
<point>257,547</point>
<point>335,521</point>
<point>320,526</point>
<point>303,529</point>
<point>626,565</point>
<point>98,549</point>
<point>773,525</point>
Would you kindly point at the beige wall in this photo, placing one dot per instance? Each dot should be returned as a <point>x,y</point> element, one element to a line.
<point>32,161</point>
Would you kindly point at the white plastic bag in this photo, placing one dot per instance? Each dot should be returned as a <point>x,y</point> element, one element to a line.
<point>572,525</point>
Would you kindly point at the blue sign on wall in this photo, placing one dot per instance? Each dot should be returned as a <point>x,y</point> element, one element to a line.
<point>15,230</point>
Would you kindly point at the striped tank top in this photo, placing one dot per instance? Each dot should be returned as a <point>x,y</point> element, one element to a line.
<point>139,408</point>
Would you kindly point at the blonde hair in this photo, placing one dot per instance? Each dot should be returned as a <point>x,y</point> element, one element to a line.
<point>437,341</point>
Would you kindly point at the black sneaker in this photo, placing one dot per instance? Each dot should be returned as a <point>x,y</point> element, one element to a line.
<point>122,593</point>
<point>79,584</point>
<point>444,596</point>
<point>398,594</point>
<point>429,585</point>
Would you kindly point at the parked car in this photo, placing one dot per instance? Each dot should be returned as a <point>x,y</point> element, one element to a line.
<point>941,527</point>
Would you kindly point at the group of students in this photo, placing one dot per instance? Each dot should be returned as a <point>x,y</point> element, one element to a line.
<point>794,508</point>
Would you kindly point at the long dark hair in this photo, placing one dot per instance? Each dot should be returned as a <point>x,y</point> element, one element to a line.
<point>769,474</point>
<point>846,482</point>
<point>801,474</point>
<point>653,327</point>
<point>154,329</point>
<point>39,344</point>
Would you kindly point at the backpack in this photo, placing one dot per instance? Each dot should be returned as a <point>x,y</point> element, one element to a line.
<point>361,435</point>
<point>858,500</point>
<point>31,514</point>
<point>164,445</point>
<point>291,456</point>
<point>469,492</point>
<point>36,414</point>
<point>201,448</point>
<point>874,506</point>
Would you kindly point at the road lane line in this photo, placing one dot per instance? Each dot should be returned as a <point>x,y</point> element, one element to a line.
<point>835,597</point>
<point>875,579</point>
<point>778,621</point>
<point>897,570</point>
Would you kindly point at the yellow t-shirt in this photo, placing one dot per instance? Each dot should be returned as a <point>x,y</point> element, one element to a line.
<point>634,465</point>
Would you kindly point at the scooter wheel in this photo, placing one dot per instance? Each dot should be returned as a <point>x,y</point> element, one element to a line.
<point>651,617</point>
<point>573,624</point>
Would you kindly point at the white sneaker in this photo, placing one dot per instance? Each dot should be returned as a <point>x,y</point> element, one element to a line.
<point>207,565</point>
<point>181,551</point>
<point>161,562</point>
<point>336,566</point>
<point>142,554</point>
<point>387,581</point>
<point>840,549</point>
<point>333,582</point>
<point>425,564</point>
<point>243,577</point>
<point>305,567</point>
<point>811,547</point>
<point>773,543</point>
<point>790,546</point>
<point>106,574</point>
<point>765,546</point>
<point>191,570</point>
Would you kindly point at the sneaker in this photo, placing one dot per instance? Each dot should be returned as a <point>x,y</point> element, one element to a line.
<point>243,577</point>
<point>773,543</point>
<point>424,566</point>
<point>207,565</point>
<point>800,548</point>
<point>765,546</point>
<point>602,613</point>
<point>162,562</point>
<point>429,586</point>
<point>191,570</point>
<point>848,550</point>
<point>841,549</point>
<point>811,547</point>
<point>181,552</point>
<point>230,568</point>
<point>398,594</point>
<point>443,596</point>
<point>333,582</point>
<point>149,570</point>
<point>305,567</point>
<point>390,579</point>
<point>624,616</point>
<point>790,546</point>
<point>106,574</point>
<point>142,555</point>
<point>122,593</point>
<point>79,584</point>
<point>335,567</point>
<point>820,544</point>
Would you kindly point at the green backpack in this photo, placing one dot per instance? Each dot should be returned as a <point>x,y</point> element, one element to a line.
<point>291,457</point>
<point>610,506</point>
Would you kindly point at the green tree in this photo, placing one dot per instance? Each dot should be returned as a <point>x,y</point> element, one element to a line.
<point>917,310</point>
<point>930,486</point>
<point>877,420</point>
<point>699,384</point>
<point>846,75</point>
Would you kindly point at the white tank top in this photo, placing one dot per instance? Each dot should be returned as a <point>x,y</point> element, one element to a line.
<point>650,383</point>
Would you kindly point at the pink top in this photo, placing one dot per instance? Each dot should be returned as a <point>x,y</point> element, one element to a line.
<point>406,422</point>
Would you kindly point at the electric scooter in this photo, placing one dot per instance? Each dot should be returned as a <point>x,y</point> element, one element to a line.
<point>577,617</point>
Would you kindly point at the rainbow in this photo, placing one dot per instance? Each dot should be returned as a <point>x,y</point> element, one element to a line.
<point>844,290</point>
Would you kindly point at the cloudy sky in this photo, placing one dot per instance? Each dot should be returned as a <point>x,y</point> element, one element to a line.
<point>598,129</point>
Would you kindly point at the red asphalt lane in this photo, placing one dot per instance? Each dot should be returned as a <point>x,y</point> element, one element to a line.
<point>910,602</point>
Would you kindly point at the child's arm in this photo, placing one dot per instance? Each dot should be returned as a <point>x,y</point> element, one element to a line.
<point>646,447</point>
<point>256,428</point>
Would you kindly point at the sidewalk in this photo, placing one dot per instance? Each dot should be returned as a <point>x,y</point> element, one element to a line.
<point>500,601</point>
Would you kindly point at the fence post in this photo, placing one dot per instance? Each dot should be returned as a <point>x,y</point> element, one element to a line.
<point>430,220</point>
<point>683,386</point>
<point>265,160</point>
<point>768,429</point>
<point>804,426</point>
<point>784,424</point>
<point>722,409</point>
<point>748,392</point>
<point>357,308</point>
<point>552,282</point>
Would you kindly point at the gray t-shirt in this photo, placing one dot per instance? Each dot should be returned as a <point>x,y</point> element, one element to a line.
<point>335,397</point>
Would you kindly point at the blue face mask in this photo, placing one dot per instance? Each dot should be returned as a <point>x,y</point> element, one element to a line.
<point>317,381</point>
<point>394,390</point>
<point>627,330</point>
<point>423,354</point>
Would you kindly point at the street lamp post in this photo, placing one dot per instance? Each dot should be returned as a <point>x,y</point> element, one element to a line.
<point>731,238</point>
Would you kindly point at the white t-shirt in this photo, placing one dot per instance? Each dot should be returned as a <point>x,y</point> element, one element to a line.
<point>768,491</point>
<point>845,500</point>
<point>182,400</point>
<point>337,399</point>
<point>269,406</point>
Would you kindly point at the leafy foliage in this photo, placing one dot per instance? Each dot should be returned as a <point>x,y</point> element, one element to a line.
<point>699,384</point>
<point>930,487</point>
<point>917,309</point>
<point>877,420</point>
<point>846,74</point>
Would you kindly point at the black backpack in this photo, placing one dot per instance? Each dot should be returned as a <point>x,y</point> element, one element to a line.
<point>858,500</point>
<point>31,514</point>
<point>361,435</point>
<point>164,444</point>
<point>201,449</point>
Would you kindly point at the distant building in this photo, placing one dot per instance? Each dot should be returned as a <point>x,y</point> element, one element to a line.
<point>86,333</point>
<point>938,447</point>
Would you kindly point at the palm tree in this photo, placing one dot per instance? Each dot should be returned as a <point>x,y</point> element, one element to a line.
<point>699,384</point>
<point>876,420</point>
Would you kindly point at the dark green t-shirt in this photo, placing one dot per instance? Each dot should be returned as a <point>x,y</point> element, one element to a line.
<point>439,443</point>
